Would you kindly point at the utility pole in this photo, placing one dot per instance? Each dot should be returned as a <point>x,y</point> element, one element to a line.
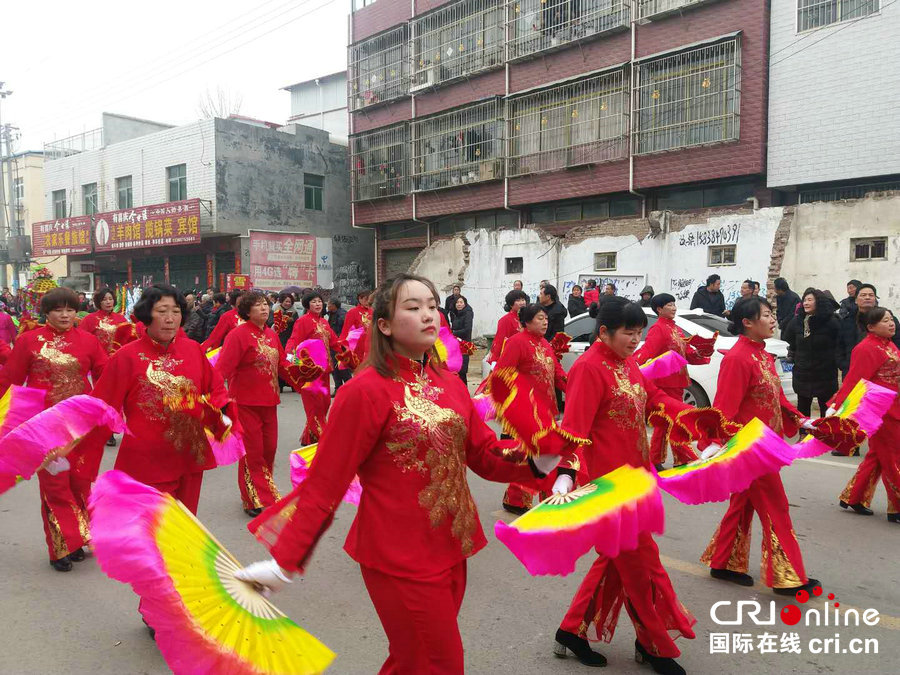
<point>7,207</point>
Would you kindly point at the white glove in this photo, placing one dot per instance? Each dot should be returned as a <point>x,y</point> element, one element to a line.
<point>546,463</point>
<point>712,450</point>
<point>830,412</point>
<point>57,466</point>
<point>226,420</point>
<point>267,573</point>
<point>563,484</point>
<point>807,424</point>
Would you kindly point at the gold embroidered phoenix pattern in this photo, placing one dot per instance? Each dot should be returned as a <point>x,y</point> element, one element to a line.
<point>61,370</point>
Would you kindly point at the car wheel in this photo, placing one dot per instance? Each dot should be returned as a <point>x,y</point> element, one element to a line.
<point>695,396</point>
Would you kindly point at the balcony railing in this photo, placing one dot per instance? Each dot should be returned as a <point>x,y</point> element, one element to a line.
<point>379,163</point>
<point>65,147</point>
<point>378,69</point>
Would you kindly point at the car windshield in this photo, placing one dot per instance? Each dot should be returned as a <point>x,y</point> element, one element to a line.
<point>581,328</point>
<point>710,322</point>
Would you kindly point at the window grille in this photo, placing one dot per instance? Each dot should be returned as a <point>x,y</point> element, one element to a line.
<point>604,261</point>
<point>817,13</point>
<point>459,39</point>
<point>872,248</point>
<point>847,192</point>
<point>579,123</point>
<point>535,25</point>
<point>647,8</point>
<point>458,147</point>
<point>378,69</point>
<point>687,99</point>
<point>721,255</point>
<point>18,191</point>
<point>378,163</point>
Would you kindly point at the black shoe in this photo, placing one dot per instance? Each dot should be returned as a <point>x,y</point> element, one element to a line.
<point>659,467</point>
<point>660,664</point>
<point>150,629</point>
<point>808,586</point>
<point>738,578</point>
<point>253,512</point>
<point>518,510</point>
<point>111,442</point>
<point>77,556</point>
<point>859,508</point>
<point>893,517</point>
<point>579,647</point>
<point>62,565</point>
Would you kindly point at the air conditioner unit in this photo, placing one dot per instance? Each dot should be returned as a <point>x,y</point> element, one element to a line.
<point>424,80</point>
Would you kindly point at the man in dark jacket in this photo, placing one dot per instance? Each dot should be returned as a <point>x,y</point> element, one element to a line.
<point>195,324</point>
<point>336,315</point>
<point>556,313</point>
<point>851,334</point>
<point>709,298</point>
<point>450,300</point>
<point>786,304</point>
<point>220,306</point>
<point>852,287</point>
<point>577,306</point>
<point>646,294</point>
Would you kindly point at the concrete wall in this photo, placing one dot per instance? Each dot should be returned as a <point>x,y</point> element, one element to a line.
<point>118,128</point>
<point>818,250</point>
<point>322,105</point>
<point>833,98</point>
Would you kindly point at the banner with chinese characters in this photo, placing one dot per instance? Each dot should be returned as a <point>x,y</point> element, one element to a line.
<point>281,259</point>
<point>61,237</point>
<point>239,281</point>
<point>167,224</point>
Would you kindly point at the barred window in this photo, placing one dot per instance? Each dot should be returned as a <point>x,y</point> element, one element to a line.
<point>458,147</point>
<point>535,25</point>
<point>579,123</point>
<point>378,163</point>
<point>378,69</point>
<point>687,99</point>
<point>59,204</point>
<point>89,197</point>
<point>817,13</point>
<point>647,8</point>
<point>456,40</point>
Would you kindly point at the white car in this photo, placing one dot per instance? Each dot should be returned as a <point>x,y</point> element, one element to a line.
<point>702,390</point>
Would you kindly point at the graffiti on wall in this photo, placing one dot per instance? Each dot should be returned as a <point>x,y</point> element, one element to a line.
<point>711,236</point>
<point>626,286</point>
<point>349,280</point>
<point>683,289</point>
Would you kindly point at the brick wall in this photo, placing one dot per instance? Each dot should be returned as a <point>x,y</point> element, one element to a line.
<point>379,16</point>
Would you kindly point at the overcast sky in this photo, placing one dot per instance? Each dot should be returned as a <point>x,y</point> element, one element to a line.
<point>68,62</point>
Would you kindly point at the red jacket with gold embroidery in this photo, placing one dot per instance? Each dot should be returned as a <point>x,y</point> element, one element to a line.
<point>662,337</point>
<point>59,362</point>
<point>409,438</point>
<point>359,317</point>
<point>532,354</point>
<point>608,400</point>
<point>507,326</point>
<point>876,359</point>
<point>161,443</point>
<point>748,387</point>
<point>311,326</point>
<point>102,325</point>
<point>226,323</point>
<point>251,362</point>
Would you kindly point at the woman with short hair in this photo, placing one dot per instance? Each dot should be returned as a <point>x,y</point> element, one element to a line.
<point>102,323</point>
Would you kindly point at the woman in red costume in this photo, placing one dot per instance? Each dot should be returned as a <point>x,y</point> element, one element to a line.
<point>316,398</point>
<point>58,357</point>
<point>608,400</point>
<point>508,325</point>
<point>102,323</point>
<point>876,359</point>
<point>529,352</point>
<point>251,362</point>
<point>226,323</point>
<point>359,317</point>
<point>748,387</point>
<point>662,337</point>
<point>167,392</point>
<point>409,430</point>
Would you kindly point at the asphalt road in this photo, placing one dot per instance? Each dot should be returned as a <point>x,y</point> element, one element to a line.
<point>83,622</point>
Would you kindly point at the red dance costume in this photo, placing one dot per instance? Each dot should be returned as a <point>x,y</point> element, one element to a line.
<point>251,362</point>
<point>126,333</point>
<point>410,439</point>
<point>166,447</point>
<point>662,337</point>
<point>507,326</point>
<point>359,317</point>
<point>315,402</point>
<point>226,323</point>
<point>60,362</point>
<point>102,325</point>
<point>876,359</point>
<point>749,387</point>
<point>532,354</point>
<point>608,400</point>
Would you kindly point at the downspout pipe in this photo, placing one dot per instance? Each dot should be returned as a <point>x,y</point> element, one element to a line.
<point>631,117</point>
<point>506,205</point>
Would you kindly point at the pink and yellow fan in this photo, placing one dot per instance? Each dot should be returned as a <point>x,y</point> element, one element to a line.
<point>319,355</point>
<point>301,461</point>
<point>18,405</point>
<point>448,351</point>
<point>205,620</point>
<point>752,452</point>
<point>213,355</point>
<point>51,434</point>
<point>607,514</point>
<point>667,363</point>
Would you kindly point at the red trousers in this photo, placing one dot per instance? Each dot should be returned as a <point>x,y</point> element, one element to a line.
<point>882,460</point>
<point>516,495</point>
<point>186,489</point>
<point>255,469</point>
<point>86,457</point>
<point>658,439</point>
<point>316,405</point>
<point>638,580</point>
<point>64,511</point>
<point>782,562</point>
<point>419,619</point>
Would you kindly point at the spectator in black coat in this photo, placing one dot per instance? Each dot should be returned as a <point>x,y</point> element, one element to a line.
<point>709,298</point>
<point>195,324</point>
<point>812,337</point>
<point>461,318</point>
<point>336,317</point>
<point>577,306</point>
<point>556,313</point>
<point>787,303</point>
<point>646,294</point>
<point>450,300</point>
<point>852,332</point>
<point>852,288</point>
<point>220,306</point>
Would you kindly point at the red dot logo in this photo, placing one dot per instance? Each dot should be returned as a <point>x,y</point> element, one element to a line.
<point>831,596</point>
<point>817,591</point>
<point>791,615</point>
<point>837,604</point>
<point>802,596</point>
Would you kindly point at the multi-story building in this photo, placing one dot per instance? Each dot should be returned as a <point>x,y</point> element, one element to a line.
<point>141,202</point>
<point>486,114</point>
<point>321,103</point>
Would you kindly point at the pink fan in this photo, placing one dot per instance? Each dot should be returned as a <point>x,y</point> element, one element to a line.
<point>302,458</point>
<point>19,404</point>
<point>354,336</point>
<point>667,363</point>
<point>447,346</point>
<point>317,352</point>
